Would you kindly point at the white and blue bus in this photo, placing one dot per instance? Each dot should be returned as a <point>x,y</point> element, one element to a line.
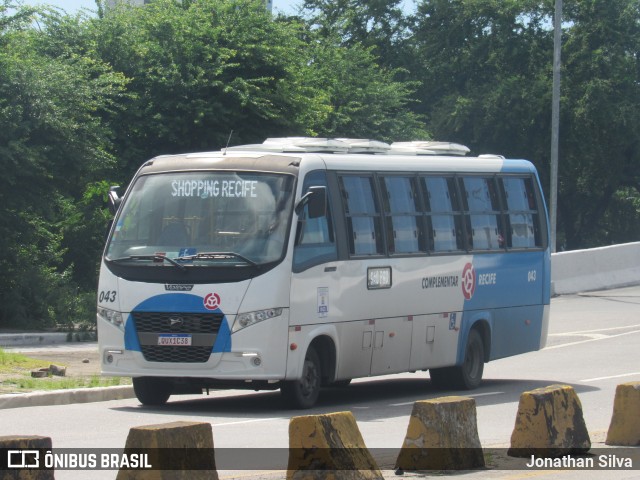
<point>301,263</point>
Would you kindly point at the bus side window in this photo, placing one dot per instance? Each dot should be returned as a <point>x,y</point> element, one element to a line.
<point>480,200</point>
<point>522,219</point>
<point>315,238</point>
<point>402,212</point>
<point>364,226</point>
<point>444,219</point>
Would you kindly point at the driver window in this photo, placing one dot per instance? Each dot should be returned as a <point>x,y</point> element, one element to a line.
<point>315,238</point>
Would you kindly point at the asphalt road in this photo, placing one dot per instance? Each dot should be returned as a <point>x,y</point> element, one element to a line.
<point>592,346</point>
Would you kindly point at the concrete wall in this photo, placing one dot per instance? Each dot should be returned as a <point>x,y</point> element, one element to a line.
<point>595,269</point>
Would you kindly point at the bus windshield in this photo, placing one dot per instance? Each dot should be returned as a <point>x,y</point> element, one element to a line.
<point>203,219</point>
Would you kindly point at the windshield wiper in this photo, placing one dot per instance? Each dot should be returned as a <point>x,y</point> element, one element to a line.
<point>157,258</point>
<point>216,256</point>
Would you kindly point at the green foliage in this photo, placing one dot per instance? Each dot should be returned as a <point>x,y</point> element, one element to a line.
<point>199,71</point>
<point>486,66</point>
<point>378,25</point>
<point>85,100</point>
<point>361,99</point>
<point>52,142</point>
<point>601,143</point>
<point>486,69</point>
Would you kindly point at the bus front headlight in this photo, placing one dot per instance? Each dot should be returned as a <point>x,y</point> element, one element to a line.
<point>244,320</point>
<point>111,316</point>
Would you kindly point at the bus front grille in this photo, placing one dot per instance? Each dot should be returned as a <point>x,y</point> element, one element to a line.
<point>154,353</point>
<point>202,327</point>
<point>163,322</point>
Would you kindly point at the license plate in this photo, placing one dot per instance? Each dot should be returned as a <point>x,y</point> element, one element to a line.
<point>174,340</point>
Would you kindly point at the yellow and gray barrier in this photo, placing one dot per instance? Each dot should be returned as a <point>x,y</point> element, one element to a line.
<point>165,444</point>
<point>624,429</point>
<point>549,423</point>
<point>442,435</point>
<point>24,457</point>
<point>329,447</point>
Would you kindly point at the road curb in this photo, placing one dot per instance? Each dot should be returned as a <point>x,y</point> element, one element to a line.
<point>66,397</point>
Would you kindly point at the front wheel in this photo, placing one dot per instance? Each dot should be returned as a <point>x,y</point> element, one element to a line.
<point>152,391</point>
<point>303,393</point>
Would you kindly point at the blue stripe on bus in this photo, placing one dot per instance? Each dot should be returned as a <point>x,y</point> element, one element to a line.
<point>177,303</point>
<point>513,282</point>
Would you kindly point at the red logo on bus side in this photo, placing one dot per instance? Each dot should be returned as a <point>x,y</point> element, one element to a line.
<point>212,301</point>
<point>468,281</point>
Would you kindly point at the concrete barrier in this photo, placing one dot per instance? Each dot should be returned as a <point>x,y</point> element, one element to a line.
<point>177,450</point>
<point>595,269</point>
<point>329,447</point>
<point>25,442</point>
<point>32,339</point>
<point>549,423</point>
<point>624,429</point>
<point>442,435</point>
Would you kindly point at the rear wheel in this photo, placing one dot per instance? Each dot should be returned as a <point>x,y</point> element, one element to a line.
<point>303,393</point>
<point>468,375</point>
<point>152,391</point>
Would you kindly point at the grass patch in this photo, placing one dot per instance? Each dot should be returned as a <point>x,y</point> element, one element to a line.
<point>15,362</point>
<point>15,376</point>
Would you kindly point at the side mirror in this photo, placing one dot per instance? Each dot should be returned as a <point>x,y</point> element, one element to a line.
<point>316,200</point>
<point>114,199</point>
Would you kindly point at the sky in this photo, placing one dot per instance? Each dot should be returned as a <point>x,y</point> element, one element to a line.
<point>72,6</point>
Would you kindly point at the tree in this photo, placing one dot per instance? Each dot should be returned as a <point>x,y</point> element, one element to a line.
<point>379,26</point>
<point>600,129</point>
<point>484,66</point>
<point>52,141</point>
<point>199,71</point>
<point>486,70</point>
<point>362,99</point>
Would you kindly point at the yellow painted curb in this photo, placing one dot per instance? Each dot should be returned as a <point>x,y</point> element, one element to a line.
<point>442,435</point>
<point>329,447</point>
<point>549,423</point>
<point>175,445</point>
<point>624,429</point>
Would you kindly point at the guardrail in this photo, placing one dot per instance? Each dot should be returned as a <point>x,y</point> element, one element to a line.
<point>595,269</point>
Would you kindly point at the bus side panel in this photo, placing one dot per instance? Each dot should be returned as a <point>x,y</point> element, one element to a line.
<point>435,340</point>
<point>412,325</point>
<point>391,345</point>
<point>507,292</point>
<point>516,330</point>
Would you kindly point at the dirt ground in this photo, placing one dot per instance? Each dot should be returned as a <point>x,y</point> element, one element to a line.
<point>84,363</point>
<point>81,362</point>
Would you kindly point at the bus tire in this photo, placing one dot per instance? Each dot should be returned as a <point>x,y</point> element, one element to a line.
<point>466,376</point>
<point>469,375</point>
<point>303,393</point>
<point>152,391</point>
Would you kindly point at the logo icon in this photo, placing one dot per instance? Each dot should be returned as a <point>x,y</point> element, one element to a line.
<point>212,301</point>
<point>176,322</point>
<point>468,281</point>
<point>23,459</point>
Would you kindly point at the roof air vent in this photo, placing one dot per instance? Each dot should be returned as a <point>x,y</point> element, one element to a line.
<point>418,147</point>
